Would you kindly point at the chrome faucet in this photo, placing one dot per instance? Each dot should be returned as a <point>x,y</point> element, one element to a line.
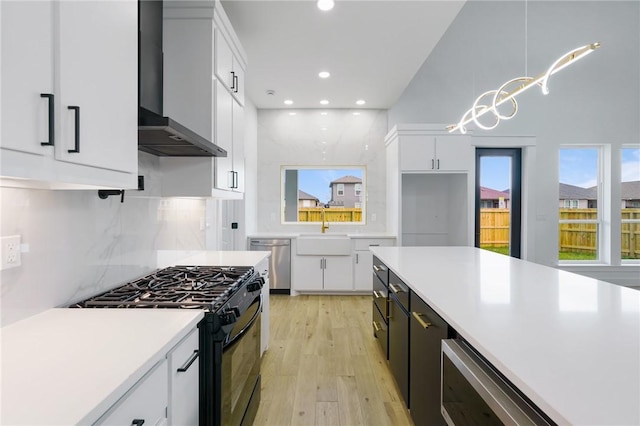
<point>324,226</point>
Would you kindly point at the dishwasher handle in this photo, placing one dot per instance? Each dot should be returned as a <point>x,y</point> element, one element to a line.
<point>269,245</point>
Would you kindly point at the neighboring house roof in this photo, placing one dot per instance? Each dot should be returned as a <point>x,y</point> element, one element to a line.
<point>305,196</point>
<point>630,190</point>
<point>492,194</point>
<point>347,179</point>
<point>572,192</point>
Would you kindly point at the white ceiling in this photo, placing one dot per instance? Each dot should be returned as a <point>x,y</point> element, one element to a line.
<point>372,48</point>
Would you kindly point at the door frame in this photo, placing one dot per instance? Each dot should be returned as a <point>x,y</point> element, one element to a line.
<point>515,196</point>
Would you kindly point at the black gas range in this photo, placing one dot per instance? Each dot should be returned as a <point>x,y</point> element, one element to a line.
<point>229,334</point>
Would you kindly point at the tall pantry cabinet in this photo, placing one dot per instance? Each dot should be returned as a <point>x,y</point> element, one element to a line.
<point>207,96</point>
<point>69,114</point>
<point>430,185</point>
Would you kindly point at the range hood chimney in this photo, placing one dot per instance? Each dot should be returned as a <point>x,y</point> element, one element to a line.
<point>157,134</point>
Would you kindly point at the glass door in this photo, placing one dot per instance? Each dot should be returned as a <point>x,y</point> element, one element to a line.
<point>498,200</point>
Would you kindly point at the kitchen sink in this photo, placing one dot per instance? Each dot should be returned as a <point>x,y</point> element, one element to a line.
<point>324,244</point>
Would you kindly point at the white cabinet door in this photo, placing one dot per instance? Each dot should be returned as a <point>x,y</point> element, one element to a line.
<point>309,273</point>
<point>453,153</point>
<point>224,137</point>
<point>338,273</point>
<point>224,60</point>
<point>183,381</point>
<point>27,72</point>
<point>363,261</point>
<point>417,153</point>
<point>147,401</point>
<point>238,147</point>
<point>97,73</point>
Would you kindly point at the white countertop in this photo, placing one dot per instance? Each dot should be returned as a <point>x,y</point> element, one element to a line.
<point>348,234</point>
<point>568,342</point>
<point>68,366</point>
<point>210,258</point>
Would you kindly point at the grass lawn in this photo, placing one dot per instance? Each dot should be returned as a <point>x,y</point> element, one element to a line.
<point>564,255</point>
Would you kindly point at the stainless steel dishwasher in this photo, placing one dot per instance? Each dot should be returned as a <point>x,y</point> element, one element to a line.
<point>279,262</point>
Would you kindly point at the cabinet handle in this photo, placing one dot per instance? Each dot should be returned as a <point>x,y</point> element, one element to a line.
<point>190,361</point>
<point>235,83</point>
<point>51,119</point>
<point>432,164</point>
<point>357,258</point>
<point>376,268</point>
<point>422,322</point>
<point>438,164</point>
<point>395,289</point>
<point>376,327</point>
<point>235,180</point>
<point>76,149</point>
<point>376,294</point>
<point>137,422</point>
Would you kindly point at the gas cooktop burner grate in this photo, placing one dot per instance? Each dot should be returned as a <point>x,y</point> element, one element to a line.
<point>191,287</point>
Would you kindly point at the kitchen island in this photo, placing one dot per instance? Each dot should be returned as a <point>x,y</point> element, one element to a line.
<point>571,344</point>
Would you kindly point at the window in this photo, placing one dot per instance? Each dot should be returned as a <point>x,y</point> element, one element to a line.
<point>579,215</point>
<point>630,203</point>
<point>309,192</point>
<point>358,189</point>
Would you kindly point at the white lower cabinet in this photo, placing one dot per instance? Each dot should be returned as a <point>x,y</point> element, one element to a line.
<point>363,259</point>
<point>184,365</point>
<point>263,269</point>
<point>145,403</point>
<point>322,273</point>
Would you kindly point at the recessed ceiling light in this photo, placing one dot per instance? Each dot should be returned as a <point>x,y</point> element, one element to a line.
<point>323,128</point>
<point>356,113</point>
<point>323,113</point>
<point>324,74</point>
<point>324,142</point>
<point>360,102</point>
<point>288,102</point>
<point>325,4</point>
<point>324,102</point>
<point>292,113</point>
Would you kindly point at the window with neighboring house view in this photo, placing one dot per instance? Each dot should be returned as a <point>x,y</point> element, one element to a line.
<point>340,189</point>
<point>579,216</point>
<point>358,189</point>
<point>630,203</point>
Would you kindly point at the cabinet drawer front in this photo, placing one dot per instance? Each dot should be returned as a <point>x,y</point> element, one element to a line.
<point>365,243</point>
<point>147,400</point>
<point>184,366</point>
<point>380,296</point>
<point>428,315</point>
<point>380,331</point>
<point>399,289</point>
<point>381,270</point>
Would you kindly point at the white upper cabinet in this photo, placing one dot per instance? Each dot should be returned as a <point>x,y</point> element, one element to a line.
<point>204,96</point>
<point>69,80</point>
<point>435,153</point>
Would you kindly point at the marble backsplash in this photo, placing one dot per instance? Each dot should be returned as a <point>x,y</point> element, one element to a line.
<point>76,245</point>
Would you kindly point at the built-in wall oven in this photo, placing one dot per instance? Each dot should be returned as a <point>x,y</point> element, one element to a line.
<point>474,393</point>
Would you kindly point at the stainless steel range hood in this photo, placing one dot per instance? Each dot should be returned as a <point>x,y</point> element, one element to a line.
<point>157,134</point>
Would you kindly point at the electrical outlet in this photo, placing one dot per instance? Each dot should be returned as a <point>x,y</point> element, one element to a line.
<point>10,252</point>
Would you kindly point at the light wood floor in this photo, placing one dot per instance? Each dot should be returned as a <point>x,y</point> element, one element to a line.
<point>323,366</point>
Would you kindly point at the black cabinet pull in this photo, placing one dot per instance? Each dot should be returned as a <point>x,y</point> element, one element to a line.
<point>76,109</point>
<point>137,422</point>
<point>190,361</point>
<point>432,166</point>
<point>51,119</point>
<point>438,164</point>
<point>235,83</point>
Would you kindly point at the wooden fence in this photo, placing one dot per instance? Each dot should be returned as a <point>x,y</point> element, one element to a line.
<point>335,214</point>
<point>573,237</point>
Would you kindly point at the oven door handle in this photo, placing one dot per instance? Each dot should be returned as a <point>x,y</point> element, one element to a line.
<point>246,328</point>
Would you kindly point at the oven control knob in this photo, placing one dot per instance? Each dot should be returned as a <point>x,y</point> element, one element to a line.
<point>230,315</point>
<point>255,286</point>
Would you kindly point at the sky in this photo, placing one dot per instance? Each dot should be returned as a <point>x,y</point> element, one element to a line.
<point>316,181</point>
<point>578,167</point>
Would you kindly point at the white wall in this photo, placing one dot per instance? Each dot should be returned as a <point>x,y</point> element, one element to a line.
<point>80,245</point>
<point>594,101</point>
<point>295,140</point>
